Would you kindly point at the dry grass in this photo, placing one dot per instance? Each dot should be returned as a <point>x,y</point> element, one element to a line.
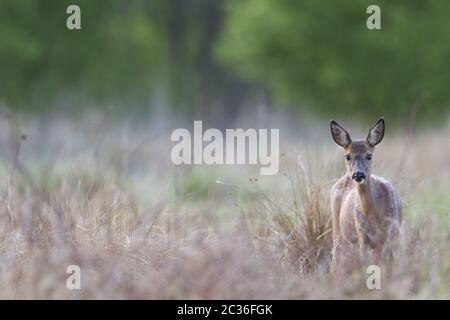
<point>106,197</point>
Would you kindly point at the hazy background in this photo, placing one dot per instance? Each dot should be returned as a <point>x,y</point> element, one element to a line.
<point>215,59</point>
<point>85,123</point>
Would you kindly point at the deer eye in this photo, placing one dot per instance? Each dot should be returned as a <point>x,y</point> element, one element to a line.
<point>347,157</point>
<point>369,157</point>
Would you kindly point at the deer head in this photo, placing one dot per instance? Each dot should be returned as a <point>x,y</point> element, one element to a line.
<point>358,154</point>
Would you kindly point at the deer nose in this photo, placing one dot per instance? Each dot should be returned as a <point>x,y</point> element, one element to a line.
<point>358,176</point>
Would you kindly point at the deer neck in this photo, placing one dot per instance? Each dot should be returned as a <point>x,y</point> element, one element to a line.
<point>366,197</point>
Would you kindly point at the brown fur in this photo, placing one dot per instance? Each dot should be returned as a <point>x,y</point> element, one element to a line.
<point>366,215</point>
<point>358,147</point>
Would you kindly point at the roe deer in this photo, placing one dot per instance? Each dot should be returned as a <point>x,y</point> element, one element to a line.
<point>366,209</point>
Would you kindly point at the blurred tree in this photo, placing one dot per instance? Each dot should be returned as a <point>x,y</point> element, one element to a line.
<point>115,54</point>
<point>195,81</point>
<point>320,54</point>
<point>126,50</point>
<point>200,56</point>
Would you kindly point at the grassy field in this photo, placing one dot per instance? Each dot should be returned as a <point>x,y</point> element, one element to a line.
<point>104,195</point>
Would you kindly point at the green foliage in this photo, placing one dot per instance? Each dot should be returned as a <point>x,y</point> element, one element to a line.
<point>195,186</point>
<point>199,54</point>
<point>117,48</point>
<point>320,53</point>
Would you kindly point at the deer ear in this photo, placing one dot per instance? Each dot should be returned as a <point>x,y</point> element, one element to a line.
<point>376,134</point>
<point>340,135</point>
